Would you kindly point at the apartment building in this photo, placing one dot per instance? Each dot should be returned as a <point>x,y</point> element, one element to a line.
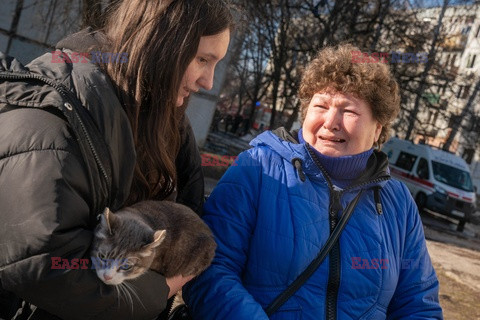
<point>458,56</point>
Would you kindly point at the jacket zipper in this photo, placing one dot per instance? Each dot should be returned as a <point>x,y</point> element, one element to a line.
<point>334,262</point>
<point>66,95</point>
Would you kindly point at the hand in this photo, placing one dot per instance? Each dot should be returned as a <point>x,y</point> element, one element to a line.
<point>176,283</point>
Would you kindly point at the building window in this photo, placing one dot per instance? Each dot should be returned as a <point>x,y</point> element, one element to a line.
<point>466,30</point>
<point>466,91</point>
<point>432,117</point>
<point>471,60</point>
<point>459,92</point>
<point>474,125</point>
<point>452,62</point>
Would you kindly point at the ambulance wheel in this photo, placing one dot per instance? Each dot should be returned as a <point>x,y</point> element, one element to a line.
<point>421,201</point>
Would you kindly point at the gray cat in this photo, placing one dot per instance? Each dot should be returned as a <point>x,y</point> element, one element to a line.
<point>160,235</point>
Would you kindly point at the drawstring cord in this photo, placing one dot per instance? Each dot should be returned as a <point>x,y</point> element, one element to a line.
<point>297,163</point>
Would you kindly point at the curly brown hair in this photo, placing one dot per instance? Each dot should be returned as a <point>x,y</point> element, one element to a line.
<point>333,69</point>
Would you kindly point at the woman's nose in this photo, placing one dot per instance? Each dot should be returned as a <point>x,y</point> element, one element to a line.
<point>331,119</point>
<point>206,80</point>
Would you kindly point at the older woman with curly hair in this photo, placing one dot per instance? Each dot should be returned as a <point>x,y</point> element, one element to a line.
<point>325,188</point>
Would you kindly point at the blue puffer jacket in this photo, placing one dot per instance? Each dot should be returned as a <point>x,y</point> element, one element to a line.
<point>269,214</point>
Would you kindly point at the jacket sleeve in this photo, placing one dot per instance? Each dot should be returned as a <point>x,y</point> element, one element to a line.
<point>416,295</point>
<point>230,212</point>
<point>45,208</point>
<point>190,174</point>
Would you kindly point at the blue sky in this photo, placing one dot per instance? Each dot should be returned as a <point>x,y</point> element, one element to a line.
<point>437,3</point>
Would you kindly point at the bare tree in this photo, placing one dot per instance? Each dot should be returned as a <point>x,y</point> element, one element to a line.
<point>465,111</point>
<point>425,73</point>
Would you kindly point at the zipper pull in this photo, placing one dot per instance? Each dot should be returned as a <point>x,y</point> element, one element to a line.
<point>378,203</point>
<point>335,205</point>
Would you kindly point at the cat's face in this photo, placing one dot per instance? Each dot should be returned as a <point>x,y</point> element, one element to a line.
<point>123,248</point>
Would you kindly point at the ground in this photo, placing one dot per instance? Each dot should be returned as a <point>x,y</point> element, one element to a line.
<point>458,271</point>
<point>456,259</point>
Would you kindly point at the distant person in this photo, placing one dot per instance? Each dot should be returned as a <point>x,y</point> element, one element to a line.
<point>274,210</point>
<point>236,123</point>
<point>216,120</point>
<point>244,127</point>
<point>48,202</point>
<point>228,123</point>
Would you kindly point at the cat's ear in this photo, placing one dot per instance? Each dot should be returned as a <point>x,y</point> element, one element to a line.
<point>158,238</point>
<point>107,220</point>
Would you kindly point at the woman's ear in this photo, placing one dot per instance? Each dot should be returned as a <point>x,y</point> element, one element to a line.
<point>378,131</point>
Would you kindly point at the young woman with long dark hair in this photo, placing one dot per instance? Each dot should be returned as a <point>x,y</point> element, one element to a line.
<point>48,187</point>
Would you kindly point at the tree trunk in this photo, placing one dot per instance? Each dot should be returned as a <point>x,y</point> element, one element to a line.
<point>457,125</point>
<point>423,79</point>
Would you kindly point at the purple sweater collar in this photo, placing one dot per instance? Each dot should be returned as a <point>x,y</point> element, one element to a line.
<point>342,170</point>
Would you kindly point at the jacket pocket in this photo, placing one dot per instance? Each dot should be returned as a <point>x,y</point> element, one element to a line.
<point>290,310</point>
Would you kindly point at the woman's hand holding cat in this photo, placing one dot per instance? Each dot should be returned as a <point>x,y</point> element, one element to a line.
<point>176,283</point>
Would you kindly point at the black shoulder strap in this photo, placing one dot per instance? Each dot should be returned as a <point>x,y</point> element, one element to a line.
<point>94,150</point>
<point>295,285</point>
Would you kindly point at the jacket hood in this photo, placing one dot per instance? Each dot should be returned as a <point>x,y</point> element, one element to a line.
<point>83,41</point>
<point>287,146</point>
<point>96,93</point>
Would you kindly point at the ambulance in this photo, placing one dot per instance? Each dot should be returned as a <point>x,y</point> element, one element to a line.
<point>438,180</point>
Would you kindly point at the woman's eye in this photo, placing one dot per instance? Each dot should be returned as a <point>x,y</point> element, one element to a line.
<point>202,60</point>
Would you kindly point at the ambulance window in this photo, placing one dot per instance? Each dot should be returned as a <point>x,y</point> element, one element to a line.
<point>422,169</point>
<point>406,160</point>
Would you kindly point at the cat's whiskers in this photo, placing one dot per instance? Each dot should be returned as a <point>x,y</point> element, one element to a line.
<point>131,288</point>
<point>118,294</point>
<point>126,294</point>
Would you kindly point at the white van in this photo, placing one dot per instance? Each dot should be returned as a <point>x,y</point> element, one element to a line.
<point>438,180</point>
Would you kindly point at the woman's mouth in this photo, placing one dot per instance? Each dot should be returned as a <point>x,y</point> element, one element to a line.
<point>332,139</point>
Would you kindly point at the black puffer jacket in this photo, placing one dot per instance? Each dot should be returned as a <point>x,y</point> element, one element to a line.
<point>45,197</point>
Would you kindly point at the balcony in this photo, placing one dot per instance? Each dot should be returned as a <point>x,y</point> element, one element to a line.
<point>454,42</point>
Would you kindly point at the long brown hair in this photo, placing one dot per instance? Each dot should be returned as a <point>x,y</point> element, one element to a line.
<point>161,38</point>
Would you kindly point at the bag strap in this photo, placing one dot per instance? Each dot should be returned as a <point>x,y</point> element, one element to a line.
<point>295,285</point>
<point>92,145</point>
